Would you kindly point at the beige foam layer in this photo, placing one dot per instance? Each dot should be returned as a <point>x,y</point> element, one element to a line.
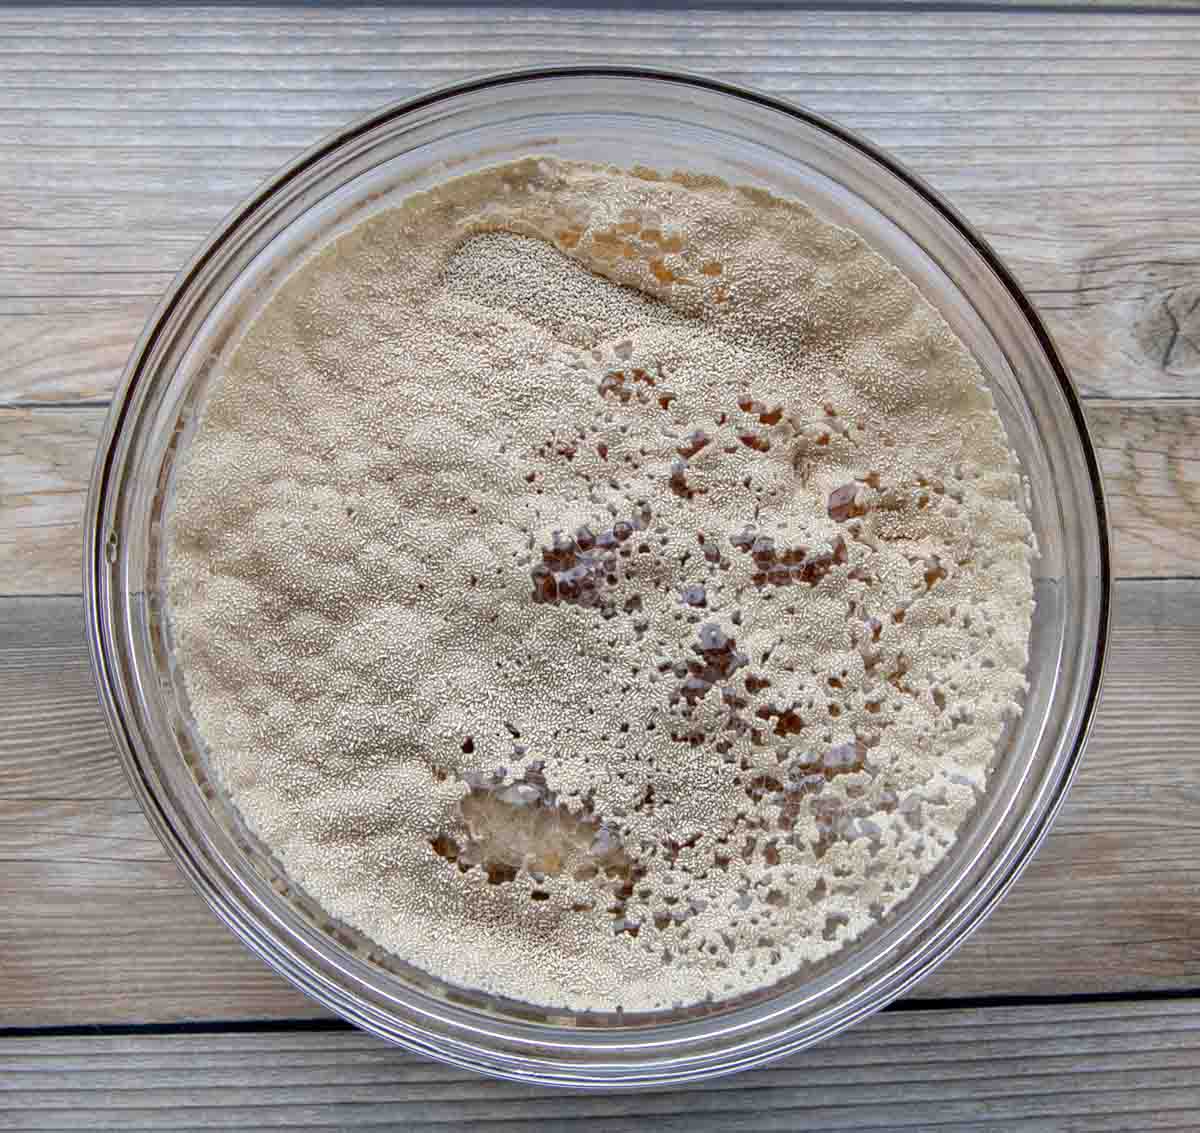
<point>665,492</point>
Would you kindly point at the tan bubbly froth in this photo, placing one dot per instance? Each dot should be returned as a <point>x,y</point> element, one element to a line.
<point>600,588</point>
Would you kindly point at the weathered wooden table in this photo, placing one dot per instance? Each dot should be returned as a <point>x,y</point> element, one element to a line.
<point>1072,138</point>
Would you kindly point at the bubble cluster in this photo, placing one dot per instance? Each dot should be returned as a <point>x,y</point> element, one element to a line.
<point>785,566</point>
<point>581,569</point>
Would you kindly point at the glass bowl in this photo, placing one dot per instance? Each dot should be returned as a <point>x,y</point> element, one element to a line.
<point>626,116</point>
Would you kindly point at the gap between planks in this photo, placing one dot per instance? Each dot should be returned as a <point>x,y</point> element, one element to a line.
<point>1089,1066</point>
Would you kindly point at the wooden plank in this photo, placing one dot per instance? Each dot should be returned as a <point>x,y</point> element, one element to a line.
<point>81,355</point>
<point>1148,451</point>
<point>53,743</point>
<point>1090,1066</point>
<point>100,927</point>
<point>124,140</point>
<point>45,466</point>
<point>25,25</point>
<point>1149,456</point>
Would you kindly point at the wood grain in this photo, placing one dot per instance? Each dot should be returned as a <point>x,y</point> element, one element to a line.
<point>74,357</point>
<point>1091,1067</point>
<point>1149,453</point>
<point>1072,139</point>
<point>45,466</point>
<point>53,743</point>
<point>101,928</point>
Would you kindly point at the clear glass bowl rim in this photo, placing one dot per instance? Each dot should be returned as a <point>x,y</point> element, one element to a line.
<point>476,1047</point>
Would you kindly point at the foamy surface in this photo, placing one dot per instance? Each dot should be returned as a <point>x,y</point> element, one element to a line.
<point>600,588</point>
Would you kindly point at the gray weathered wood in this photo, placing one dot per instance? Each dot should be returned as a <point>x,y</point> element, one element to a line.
<point>100,927</point>
<point>1082,1067</point>
<point>45,465</point>
<point>1149,454</point>
<point>1071,138</point>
